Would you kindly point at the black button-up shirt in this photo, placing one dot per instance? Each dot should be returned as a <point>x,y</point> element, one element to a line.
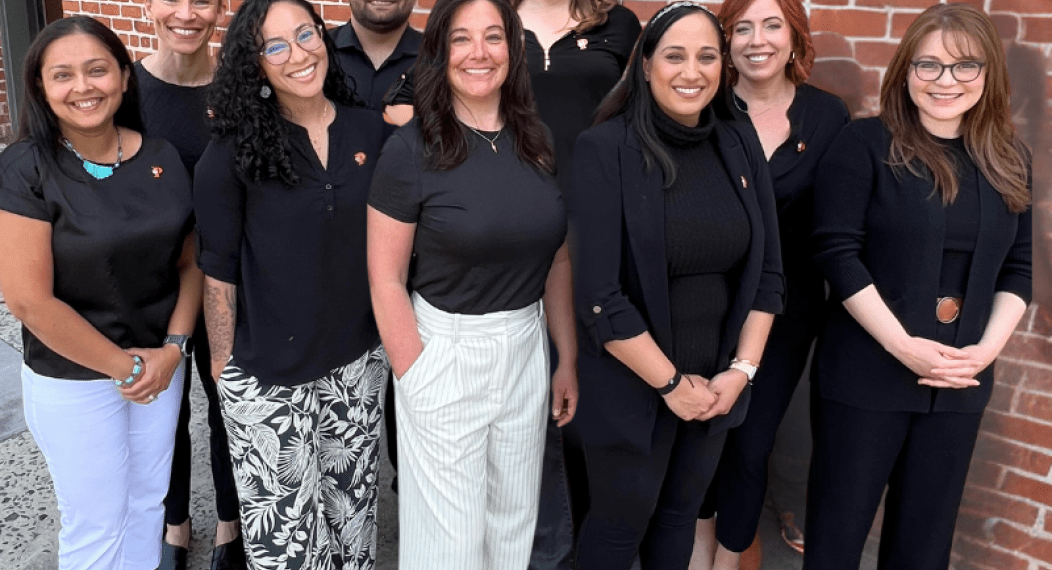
<point>368,82</point>
<point>296,254</point>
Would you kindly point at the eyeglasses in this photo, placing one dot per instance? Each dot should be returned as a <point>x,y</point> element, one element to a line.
<point>278,51</point>
<point>962,71</point>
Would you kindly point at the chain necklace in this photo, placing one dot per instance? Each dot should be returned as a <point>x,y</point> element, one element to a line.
<point>492,142</point>
<point>96,170</point>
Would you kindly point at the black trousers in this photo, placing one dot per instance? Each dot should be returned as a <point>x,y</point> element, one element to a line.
<point>177,502</point>
<point>923,460</point>
<point>737,492</point>
<point>647,503</point>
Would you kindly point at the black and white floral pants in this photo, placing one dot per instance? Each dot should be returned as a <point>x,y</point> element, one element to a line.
<point>306,461</point>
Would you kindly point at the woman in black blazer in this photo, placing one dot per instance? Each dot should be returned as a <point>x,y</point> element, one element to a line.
<point>677,271</point>
<point>923,231</point>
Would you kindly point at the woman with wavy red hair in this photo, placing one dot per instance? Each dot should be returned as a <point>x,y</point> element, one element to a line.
<point>922,228</point>
<point>770,59</point>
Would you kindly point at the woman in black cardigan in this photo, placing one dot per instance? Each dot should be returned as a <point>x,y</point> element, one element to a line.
<point>923,231</point>
<point>677,270</point>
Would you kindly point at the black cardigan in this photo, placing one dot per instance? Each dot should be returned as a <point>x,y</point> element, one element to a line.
<point>873,227</point>
<point>617,222</point>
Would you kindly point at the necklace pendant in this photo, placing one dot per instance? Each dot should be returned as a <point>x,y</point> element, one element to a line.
<point>97,171</point>
<point>493,145</point>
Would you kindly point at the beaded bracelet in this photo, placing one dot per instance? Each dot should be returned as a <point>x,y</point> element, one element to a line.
<point>136,370</point>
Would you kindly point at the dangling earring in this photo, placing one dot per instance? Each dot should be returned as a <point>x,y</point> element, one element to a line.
<point>792,57</point>
<point>265,91</point>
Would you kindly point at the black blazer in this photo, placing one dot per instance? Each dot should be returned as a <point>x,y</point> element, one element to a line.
<point>617,221</point>
<point>873,227</point>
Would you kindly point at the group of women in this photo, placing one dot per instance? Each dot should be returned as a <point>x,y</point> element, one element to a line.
<point>714,191</point>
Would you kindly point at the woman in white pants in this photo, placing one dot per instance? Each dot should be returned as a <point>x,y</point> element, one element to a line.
<point>469,190</point>
<point>96,260</point>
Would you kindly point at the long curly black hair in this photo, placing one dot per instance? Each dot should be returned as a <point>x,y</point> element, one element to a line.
<point>445,138</point>
<point>255,123</point>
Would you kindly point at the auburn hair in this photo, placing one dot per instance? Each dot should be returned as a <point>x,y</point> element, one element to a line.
<point>590,13</point>
<point>799,67</point>
<point>989,135</point>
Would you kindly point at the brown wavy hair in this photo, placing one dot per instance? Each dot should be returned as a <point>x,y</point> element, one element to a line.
<point>590,13</point>
<point>445,139</point>
<point>989,134</point>
<point>797,70</point>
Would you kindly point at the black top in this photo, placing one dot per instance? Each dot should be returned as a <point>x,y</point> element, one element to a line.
<point>962,223</point>
<point>486,231</point>
<point>568,84</point>
<point>368,82</point>
<point>881,226</point>
<point>114,242</point>
<point>176,114</point>
<point>296,254</point>
<point>571,80</point>
<point>706,239</point>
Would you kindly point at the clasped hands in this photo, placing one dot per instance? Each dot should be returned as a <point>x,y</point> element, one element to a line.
<point>696,398</point>
<point>942,366</point>
<point>158,366</point>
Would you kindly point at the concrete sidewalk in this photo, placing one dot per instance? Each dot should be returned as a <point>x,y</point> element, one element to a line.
<point>29,518</point>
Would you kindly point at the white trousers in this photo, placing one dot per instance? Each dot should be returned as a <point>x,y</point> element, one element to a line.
<point>471,416</point>
<point>110,461</point>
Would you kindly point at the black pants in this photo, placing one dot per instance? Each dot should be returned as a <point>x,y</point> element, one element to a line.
<point>647,503</point>
<point>177,503</point>
<point>923,460</point>
<point>737,492</point>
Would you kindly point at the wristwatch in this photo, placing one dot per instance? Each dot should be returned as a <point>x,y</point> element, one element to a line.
<point>749,368</point>
<point>184,342</point>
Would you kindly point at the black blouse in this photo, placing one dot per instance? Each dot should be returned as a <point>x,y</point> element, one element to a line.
<point>296,254</point>
<point>486,231</point>
<point>115,242</point>
<point>175,113</point>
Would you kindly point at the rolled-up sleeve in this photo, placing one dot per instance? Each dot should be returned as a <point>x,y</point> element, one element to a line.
<point>843,187</point>
<point>596,222</point>
<point>219,205</point>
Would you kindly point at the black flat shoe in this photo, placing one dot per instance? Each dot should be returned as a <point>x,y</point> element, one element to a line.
<point>172,557</point>
<point>230,556</point>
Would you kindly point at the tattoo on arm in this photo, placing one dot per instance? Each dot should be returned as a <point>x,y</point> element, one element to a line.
<point>220,316</point>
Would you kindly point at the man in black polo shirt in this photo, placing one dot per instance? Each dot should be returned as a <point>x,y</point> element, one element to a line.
<point>376,46</point>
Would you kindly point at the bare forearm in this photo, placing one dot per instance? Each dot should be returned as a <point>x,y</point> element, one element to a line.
<point>1007,310</point>
<point>873,314</point>
<point>558,304</point>
<point>191,284</point>
<point>753,337</point>
<point>642,355</point>
<point>396,322</point>
<point>220,301</point>
<point>64,331</point>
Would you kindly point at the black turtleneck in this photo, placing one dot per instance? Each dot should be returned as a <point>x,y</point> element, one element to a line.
<point>706,239</point>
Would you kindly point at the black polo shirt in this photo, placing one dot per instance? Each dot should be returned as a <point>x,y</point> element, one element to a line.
<point>369,83</point>
<point>296,254</point>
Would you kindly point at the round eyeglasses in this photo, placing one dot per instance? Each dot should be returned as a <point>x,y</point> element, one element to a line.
<point>962,71</point>
<point>278,51</point>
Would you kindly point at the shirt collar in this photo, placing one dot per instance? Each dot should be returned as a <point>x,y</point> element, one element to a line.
<point>408,44</point>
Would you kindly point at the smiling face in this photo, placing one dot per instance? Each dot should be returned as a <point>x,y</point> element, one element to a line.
<point>478,54</point>
<point>381,16</point>
<point>303,75</point>
<point>761,42</point>
<point>83,83</point>
<point>183,26</point>
<point>684,72</point>
<point>942,103</point>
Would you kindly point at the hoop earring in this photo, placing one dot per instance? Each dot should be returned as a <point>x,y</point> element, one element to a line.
<point>265,92</point>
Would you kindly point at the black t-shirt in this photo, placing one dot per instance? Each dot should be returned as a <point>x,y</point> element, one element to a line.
<point>368,82</point>
<point>176,114</point>
<point>115,242</point>
<point>296,254</point>
<point>579,70</point>
<point>486,231</point>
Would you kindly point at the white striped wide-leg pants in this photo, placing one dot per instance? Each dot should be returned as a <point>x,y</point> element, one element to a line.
<point>471,412</point>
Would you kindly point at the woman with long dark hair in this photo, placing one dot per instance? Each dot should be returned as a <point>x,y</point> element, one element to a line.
<point>922,228</point>
<point>771,56</point>
<point>468,188</point>
<point>96,260</point>
<point>172,85</point>
<point>280,200</point>
<point>677,278</point>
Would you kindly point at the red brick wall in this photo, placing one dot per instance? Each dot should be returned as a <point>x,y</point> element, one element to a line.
<point>1006,518</point>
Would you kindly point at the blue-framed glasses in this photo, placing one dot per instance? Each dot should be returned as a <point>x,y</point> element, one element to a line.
<point>278,51</point>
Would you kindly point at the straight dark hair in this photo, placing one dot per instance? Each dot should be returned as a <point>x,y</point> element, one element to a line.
<point>36,121</point>
<point>259,132</point>
<point>445,138</point>
<point>632,97</point>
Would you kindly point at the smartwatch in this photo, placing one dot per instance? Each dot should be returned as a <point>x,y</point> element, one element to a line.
<point>184,342</point>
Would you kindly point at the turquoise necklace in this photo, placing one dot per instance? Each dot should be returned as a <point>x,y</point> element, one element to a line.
<point>97,171</point>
